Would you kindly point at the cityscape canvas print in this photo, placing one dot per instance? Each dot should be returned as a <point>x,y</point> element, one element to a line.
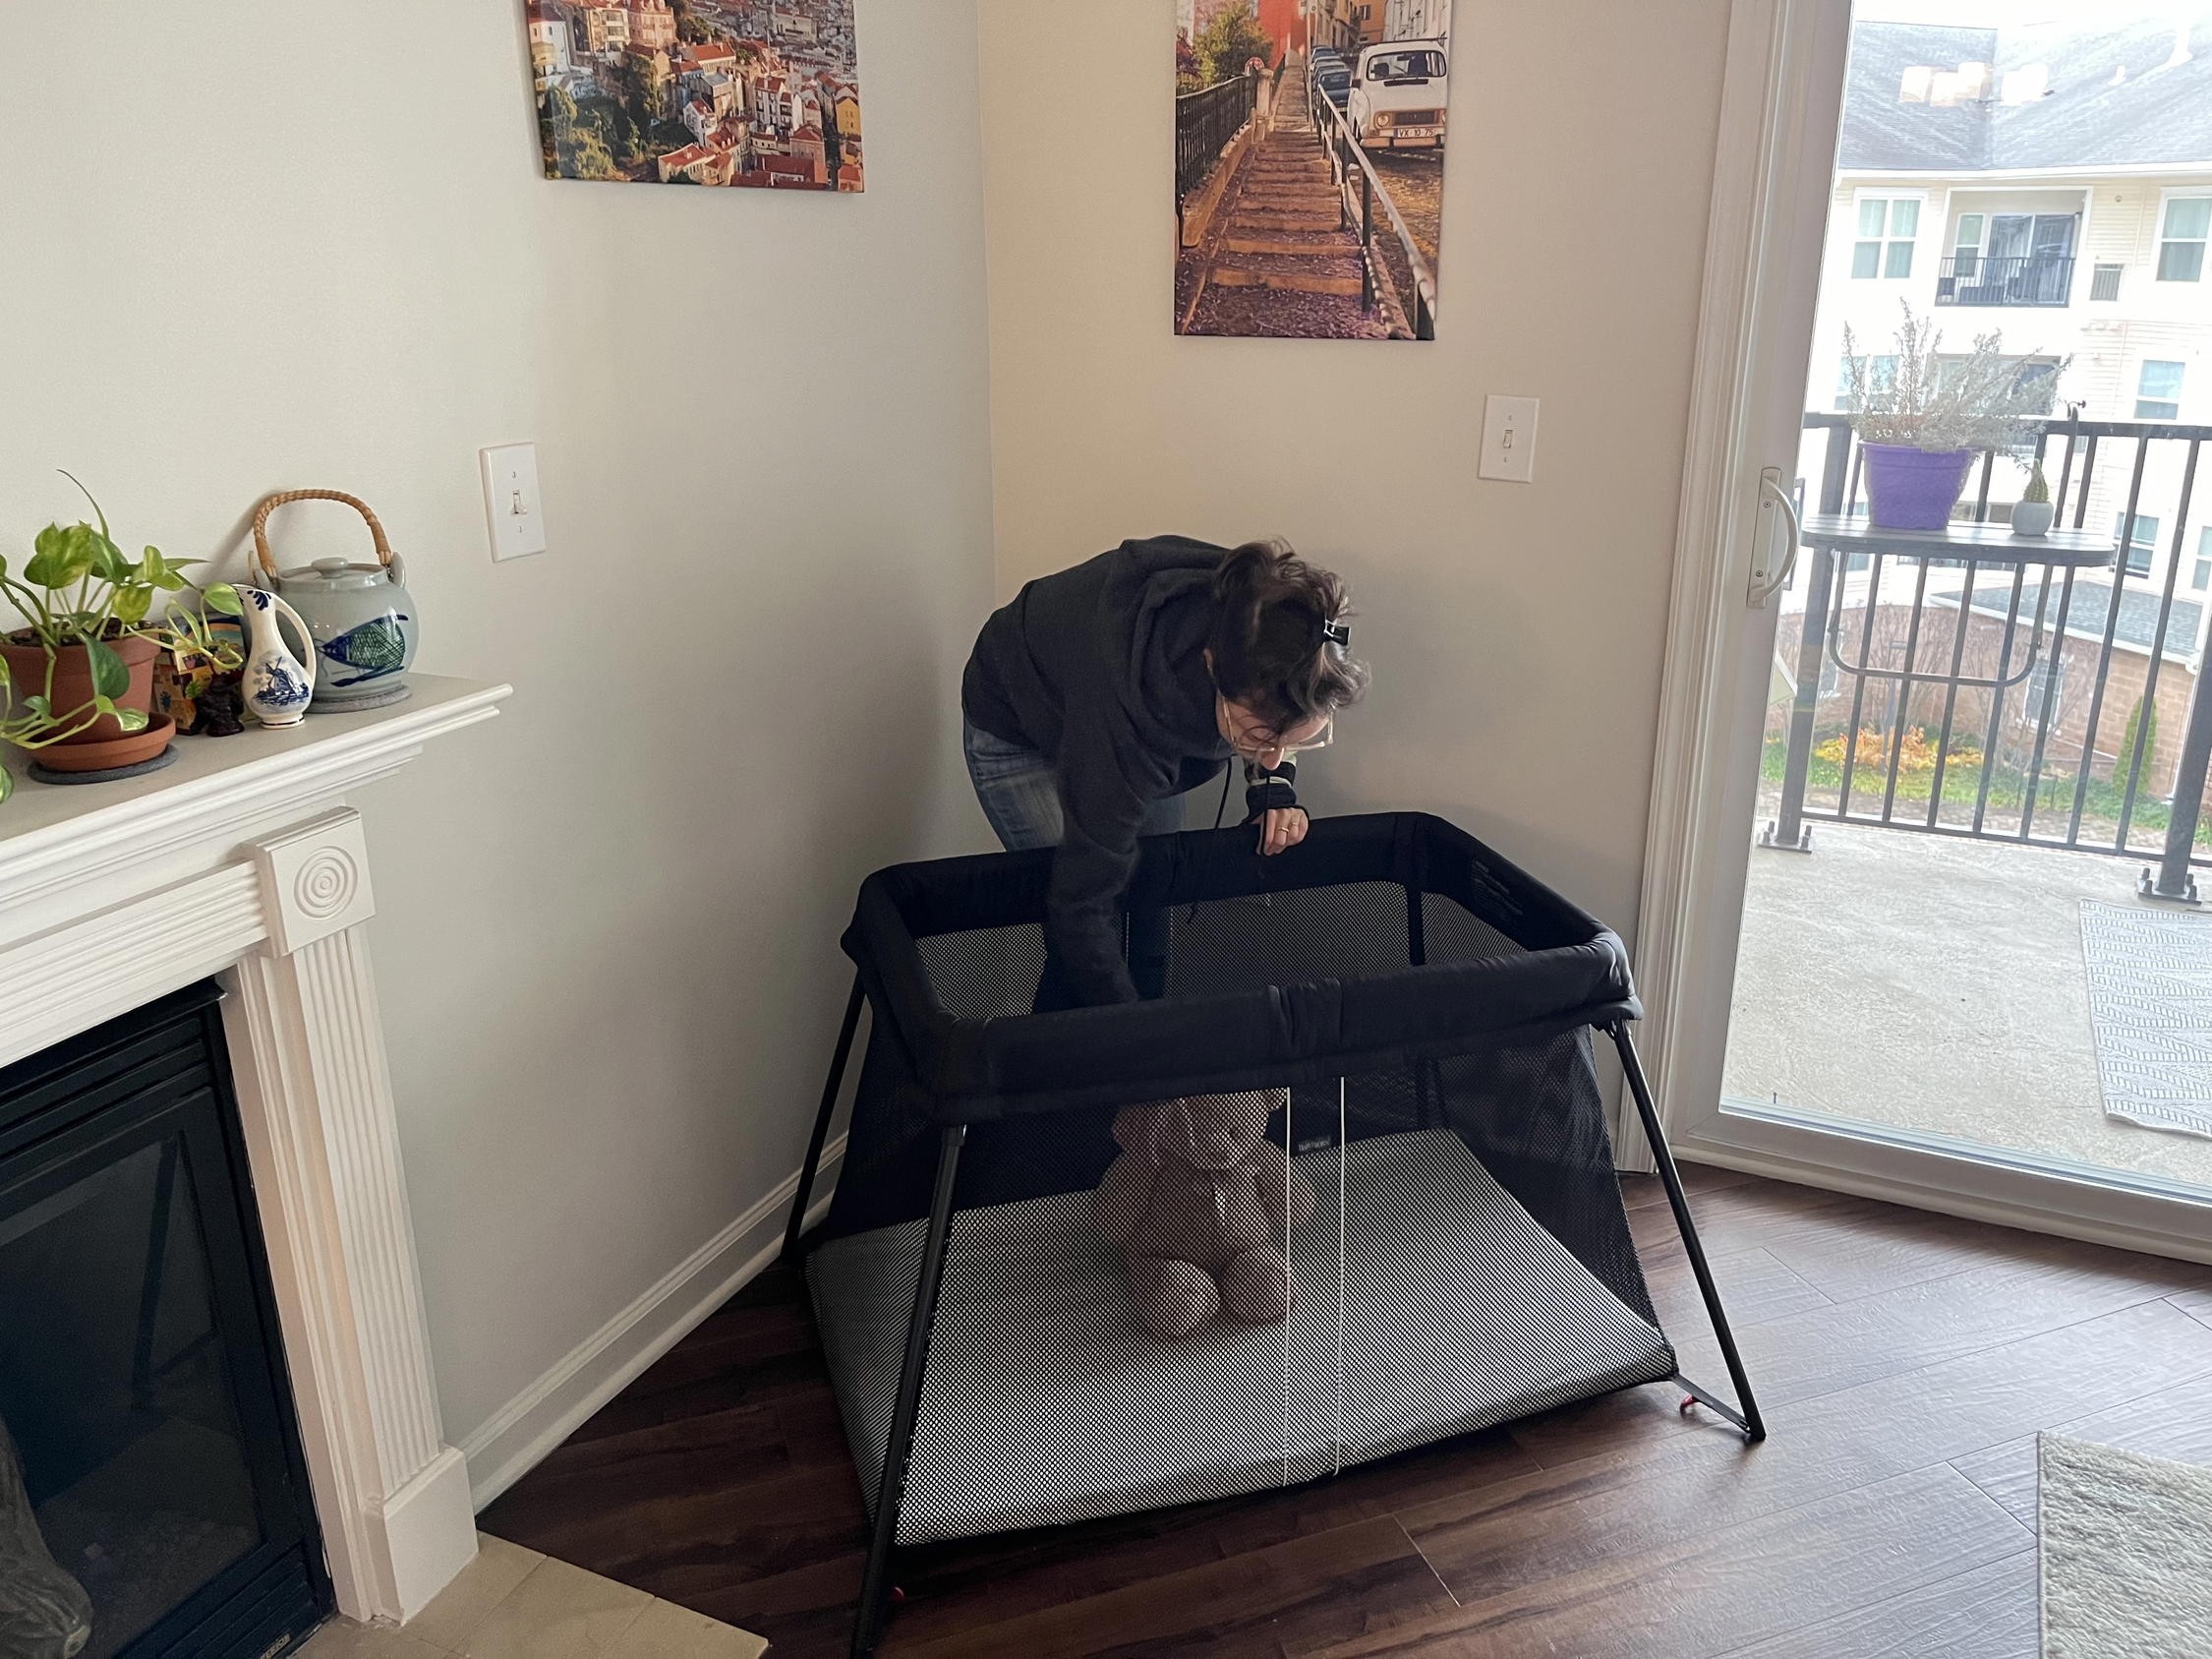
<point>759,93</point>
<point>1310,144</point>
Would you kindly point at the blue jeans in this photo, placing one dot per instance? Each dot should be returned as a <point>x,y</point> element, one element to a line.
<point>1018,790</point>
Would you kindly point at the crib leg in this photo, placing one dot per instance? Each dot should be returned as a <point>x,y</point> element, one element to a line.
<point>813,1163</point>
<point>1754,1426</point>
<point>891,1494</point>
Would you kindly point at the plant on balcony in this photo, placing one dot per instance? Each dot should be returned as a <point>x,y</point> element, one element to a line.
<point>79,674</point>
<point>2032,513</point>
<point>1923,416</point>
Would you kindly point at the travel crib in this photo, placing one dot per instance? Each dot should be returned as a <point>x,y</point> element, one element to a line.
<point>1422,1010</point>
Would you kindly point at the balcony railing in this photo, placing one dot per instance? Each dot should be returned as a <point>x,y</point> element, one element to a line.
<point>2045,704</point>
<point>2008,280</point>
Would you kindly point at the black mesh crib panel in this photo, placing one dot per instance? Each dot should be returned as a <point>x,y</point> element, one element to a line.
<point>1345,1189</point>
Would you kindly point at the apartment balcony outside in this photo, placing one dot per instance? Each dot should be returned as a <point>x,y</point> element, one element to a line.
<point>2019,279</point>
<point>1976,769</point>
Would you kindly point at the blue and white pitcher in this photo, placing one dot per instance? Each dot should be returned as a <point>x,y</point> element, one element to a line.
<point>277,686</point>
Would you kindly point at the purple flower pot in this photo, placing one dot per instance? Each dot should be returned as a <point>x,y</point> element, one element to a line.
<point>1908,488</point>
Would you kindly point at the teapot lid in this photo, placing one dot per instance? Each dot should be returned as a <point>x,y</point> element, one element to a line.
<point>331,575</point>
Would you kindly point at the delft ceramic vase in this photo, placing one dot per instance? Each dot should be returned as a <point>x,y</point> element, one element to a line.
<point>278,685</point>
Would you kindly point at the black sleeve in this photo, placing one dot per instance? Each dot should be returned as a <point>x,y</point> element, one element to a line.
<point>1102,809</point>
<point>1265,792</point>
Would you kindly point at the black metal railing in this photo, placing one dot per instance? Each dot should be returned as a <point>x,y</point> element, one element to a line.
<point>2007,279</point>
<point>2009,701</point>
<point>1366,207</point>
<point>1204,123</point>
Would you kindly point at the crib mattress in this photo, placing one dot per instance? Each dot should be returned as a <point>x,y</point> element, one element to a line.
<point>1447,1310</point>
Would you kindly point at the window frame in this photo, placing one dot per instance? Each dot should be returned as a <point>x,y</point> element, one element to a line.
<point>1889,241</point>
<point>2144,397</point>
<point>2166,201</point>
<point>2142,541</point>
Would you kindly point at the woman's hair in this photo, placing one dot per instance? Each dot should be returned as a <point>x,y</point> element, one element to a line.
<point>1271,643</point>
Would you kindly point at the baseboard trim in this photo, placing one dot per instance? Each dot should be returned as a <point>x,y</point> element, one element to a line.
<point>2192,1245</point>
<point>519,1434</point>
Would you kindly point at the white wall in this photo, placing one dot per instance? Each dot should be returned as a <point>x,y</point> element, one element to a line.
<point>289,242</point>
<point>1516,631</point>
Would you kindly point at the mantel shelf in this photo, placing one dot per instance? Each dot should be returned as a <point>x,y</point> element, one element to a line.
<point>55,834</point>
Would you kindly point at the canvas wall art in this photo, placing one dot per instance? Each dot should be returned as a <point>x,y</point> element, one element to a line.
<point>1309,146</point>
<point>761,93</point>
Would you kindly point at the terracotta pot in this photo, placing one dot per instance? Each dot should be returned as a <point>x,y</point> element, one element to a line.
<point>126,750</point>
<point>73,688</point>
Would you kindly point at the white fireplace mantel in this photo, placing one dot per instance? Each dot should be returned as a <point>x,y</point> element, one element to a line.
<point>242,861</point>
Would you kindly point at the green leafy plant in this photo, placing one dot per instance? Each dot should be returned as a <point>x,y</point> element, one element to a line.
<point>80,589</point>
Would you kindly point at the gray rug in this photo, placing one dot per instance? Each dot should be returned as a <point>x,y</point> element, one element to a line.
<point>2150,1004</point>
<point>2125,1549</point>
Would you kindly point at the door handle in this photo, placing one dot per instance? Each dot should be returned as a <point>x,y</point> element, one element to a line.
<point>1765,585</point>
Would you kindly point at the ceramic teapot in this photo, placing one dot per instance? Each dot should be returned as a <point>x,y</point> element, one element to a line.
<point>360,616</point>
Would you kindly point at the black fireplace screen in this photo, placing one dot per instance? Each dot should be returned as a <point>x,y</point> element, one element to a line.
<point>151,1498</point>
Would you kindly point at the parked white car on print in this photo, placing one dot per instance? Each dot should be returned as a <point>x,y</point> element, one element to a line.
<point>1398,95</point>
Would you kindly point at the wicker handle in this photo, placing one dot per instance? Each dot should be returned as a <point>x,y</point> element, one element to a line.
<point>267,561</point>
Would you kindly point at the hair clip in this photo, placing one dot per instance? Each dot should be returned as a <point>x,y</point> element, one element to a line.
<point>1334,632</point>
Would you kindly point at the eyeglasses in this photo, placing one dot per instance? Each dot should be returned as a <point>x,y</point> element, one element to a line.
<point>1250,748</point>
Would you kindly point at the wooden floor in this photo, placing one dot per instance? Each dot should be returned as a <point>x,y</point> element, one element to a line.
<point>1905,1362</point>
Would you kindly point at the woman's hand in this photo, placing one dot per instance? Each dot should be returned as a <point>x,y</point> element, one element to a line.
<point>1280,828</point>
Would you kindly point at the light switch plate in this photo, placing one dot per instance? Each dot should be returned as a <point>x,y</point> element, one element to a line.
<point>513,506</point>
<point>1509,439</point>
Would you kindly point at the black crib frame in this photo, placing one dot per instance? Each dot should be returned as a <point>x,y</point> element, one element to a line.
<point>876,1586</point>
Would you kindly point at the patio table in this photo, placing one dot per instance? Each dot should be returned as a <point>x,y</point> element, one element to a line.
<point>1833,536</point>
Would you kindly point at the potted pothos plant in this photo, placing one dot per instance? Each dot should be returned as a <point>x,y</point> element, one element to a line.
<point>1922,416</point>
<point>77,677</point>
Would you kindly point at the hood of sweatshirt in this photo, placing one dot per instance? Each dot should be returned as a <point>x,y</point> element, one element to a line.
<point>1166,589</point>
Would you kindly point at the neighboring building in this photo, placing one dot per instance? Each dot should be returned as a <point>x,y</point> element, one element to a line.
<point>652,23</point>
<point>791,26</point>
<point>848,106</point>
<point>550,55</point>
<point>696,161</point>
<point>1417,20</point>
<point>771,103</point>
<point>606,30</point>
<point>807,147</point>
<point>1334,24</point>
<point>2053,184</point>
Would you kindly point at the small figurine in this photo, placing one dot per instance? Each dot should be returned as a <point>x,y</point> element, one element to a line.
<point>221,708</point>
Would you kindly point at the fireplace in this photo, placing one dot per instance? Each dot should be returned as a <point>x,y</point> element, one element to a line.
<point>242,865</point>
<point>153,1495</point>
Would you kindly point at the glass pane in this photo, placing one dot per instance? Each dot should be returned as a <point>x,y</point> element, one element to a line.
<point>1871,214</point>
<point>2181,261</point>
<point>2201,577</point>
<point>2189,218</point>
<point>121,1408</point>
<point>1901,260</point>
<point>1866,258</point>
<point>1969,233</point>
<point>1905,217</point>
<point>2161,380</point>
<point>2150,409</point>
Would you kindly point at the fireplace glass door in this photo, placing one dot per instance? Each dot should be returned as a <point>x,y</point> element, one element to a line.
<point>150,1488</point>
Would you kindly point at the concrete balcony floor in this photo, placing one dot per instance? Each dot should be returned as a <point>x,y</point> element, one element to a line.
<point>1937,985</point>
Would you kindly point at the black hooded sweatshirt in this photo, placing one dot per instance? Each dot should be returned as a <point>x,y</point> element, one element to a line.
<point>1101,669</point>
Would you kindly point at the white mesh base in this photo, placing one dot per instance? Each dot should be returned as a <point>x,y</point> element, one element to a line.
<point>1045,1403</point>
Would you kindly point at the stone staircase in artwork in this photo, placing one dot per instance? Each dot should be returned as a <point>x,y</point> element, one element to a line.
<point>1285,228</point>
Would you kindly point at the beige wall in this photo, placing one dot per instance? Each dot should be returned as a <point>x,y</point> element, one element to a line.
<point>1516,629</point>
<point>287,242</point>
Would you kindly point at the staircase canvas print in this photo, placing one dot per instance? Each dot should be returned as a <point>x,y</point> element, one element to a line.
<point>1309,142</point>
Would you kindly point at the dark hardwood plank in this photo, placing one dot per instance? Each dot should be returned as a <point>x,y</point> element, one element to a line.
<point>1988,1613</point>
<point>1289,1599</point>
<point>1573,1517</point>
<point>1707,1589</point>
<point>1638,1191</point>
<point>2175,1424</point>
